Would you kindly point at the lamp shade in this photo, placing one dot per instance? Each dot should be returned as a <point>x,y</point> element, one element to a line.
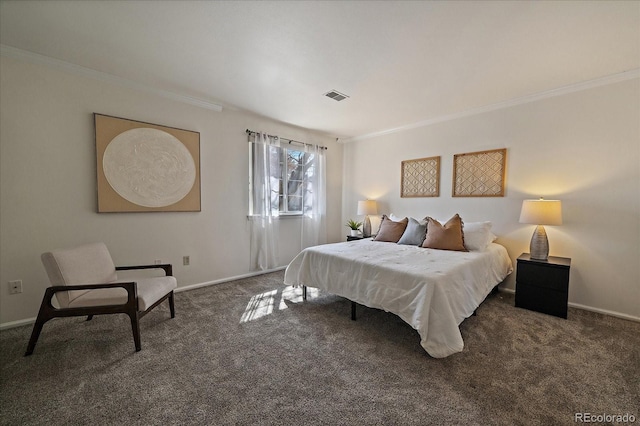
<point>541,212</point>
<point>367,207</point>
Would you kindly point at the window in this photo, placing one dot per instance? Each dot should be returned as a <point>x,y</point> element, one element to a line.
<point>284,180</point>
<point>291,173</point>
<point>295,195</point>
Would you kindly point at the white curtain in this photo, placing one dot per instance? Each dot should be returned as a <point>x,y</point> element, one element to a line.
<point>313,228</point>
<point>265,183</point>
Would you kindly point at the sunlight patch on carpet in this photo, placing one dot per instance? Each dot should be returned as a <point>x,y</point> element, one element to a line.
<point>263,304</point>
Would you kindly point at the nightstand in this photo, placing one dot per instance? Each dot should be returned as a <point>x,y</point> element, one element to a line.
<point>354,238</point>
<point>543,285</point>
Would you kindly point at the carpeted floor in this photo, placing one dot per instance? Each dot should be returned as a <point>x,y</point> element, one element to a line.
<point>250,352</point>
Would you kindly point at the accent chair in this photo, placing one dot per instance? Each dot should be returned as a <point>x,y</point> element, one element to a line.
<point>84,281</point>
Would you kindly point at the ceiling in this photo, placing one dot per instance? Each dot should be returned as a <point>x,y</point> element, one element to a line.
<point>401,63</point>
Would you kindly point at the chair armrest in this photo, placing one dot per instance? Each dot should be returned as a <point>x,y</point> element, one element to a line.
<point>125,285</point>
<point>130,287</point>
<point>168,268</point>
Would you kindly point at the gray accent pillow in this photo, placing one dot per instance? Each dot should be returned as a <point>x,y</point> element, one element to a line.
<point>415,233</point>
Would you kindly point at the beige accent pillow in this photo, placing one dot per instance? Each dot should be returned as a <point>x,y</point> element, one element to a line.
<point>391,231</point>
<point>445,237</point>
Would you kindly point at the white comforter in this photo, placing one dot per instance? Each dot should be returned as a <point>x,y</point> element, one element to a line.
<point>431,290</point>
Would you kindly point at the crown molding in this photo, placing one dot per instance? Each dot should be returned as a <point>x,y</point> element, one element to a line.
<point>577,87</point>
<point>37,58</point>
<point>25,55</point>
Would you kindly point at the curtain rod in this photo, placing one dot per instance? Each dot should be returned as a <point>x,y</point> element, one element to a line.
<point>290,140</point>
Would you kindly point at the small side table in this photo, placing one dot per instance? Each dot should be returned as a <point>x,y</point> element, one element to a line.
<point>543,285</point>
<point>354,238</point>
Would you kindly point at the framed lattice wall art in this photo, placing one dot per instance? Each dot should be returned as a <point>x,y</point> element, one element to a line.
<point>479,174</point>
<point>420,177</point>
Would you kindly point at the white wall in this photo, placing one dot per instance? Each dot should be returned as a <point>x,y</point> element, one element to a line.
<point>48,183</point>
<point>582,148</point>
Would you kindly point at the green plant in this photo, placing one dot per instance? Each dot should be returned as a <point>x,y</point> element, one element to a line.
<point>353,224</point>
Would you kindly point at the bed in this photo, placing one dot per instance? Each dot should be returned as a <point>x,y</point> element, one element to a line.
<point>431,290</point>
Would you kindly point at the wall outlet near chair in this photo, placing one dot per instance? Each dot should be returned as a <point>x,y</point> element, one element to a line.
<point>186,260</point>
<point>15,287</point>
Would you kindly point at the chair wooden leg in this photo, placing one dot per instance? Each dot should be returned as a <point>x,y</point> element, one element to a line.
<point>44,315</point>
<point>172,306</point>
<point>135,327</point>
<point>35,334</point>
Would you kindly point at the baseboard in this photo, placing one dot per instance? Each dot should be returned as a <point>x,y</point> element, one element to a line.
<point>605,312</point>
<point>19,323</point>
<point>589,308</point>
<point>225,280</point>
<point>27,321</point>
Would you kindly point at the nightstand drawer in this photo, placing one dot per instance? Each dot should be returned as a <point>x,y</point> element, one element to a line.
<point>553,278</point>
<point>543,300</point>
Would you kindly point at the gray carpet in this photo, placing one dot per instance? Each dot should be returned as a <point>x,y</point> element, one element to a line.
<point>232,357</point>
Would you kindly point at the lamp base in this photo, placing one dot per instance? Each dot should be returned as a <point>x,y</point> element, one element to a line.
<point>366,228</point>
<point>539,247</point>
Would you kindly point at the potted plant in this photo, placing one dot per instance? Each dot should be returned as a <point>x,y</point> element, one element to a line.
<point>354,226</point>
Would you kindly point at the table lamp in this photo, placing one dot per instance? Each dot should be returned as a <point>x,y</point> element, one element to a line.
<point>540,212</point>
<point>366,208</point>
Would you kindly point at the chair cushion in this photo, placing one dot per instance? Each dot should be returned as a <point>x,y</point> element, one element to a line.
<point>86,264</point>
<point>150,290</point>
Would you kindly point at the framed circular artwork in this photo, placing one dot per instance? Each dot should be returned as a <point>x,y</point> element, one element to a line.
<point>146,167</point>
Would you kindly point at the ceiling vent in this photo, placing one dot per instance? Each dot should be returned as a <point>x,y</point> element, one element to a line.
<point>335,95</point>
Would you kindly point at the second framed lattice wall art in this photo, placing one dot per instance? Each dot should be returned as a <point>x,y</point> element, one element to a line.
<point>420,177</point>
<point>479,174</point>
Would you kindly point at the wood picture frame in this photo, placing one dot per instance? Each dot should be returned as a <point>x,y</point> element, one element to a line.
<point>420,177</point>
<point>479,174</point>
<point>145,167</point>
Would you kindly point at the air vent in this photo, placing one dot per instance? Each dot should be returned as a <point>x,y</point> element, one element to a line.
<point>335,95</point>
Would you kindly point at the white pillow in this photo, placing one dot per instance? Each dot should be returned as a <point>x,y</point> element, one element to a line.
<point>477,235</point>
<point>395,218</point>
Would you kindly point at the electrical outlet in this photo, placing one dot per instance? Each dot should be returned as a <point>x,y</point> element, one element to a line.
<point>185,260</point>
<point>157,262</point>
<point>15,287</point>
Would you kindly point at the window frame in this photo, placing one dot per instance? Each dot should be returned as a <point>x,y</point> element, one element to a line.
<point>283,193</point>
